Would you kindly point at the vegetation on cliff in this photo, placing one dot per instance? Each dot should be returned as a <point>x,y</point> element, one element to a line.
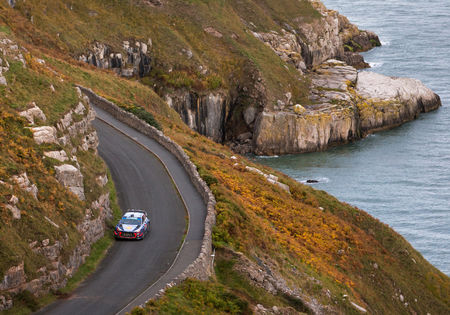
<point>174,29</point>
<point>39,217</point>
<point>330,250</point>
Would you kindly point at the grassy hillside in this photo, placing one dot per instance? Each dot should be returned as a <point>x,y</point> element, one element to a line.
<point>53,215</point>
<point>316,242</point>
<point>174,27</point>
<point>333,252</point>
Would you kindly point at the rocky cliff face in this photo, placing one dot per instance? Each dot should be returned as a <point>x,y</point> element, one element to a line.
<point>230,116</point>
<point>348,105</point>
<point>63,145</point>
<point>205,114</point>
<point>306,44</point>
<point>301,44</point>
<point>56,270</point>
<point>130,60</point>
<point>257,113</point>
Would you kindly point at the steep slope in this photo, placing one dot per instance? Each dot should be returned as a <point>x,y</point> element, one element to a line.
<point>319,255</point>
<point>219,64</point>
<point>279,243</point>
<point>53,194</point>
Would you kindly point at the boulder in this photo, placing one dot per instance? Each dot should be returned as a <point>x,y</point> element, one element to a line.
<point>13,278</point>
<point>90,141</point>
<point>70,177</point>
<point>66,121</point>
<point>44,134</point>
<point>13,208</point>
<point>24,183</point>
<point>212,31</point>
<point>334,74</point>
<point>57,155</point>
<point>250,114</point>
<point>102,180</point>
<point>79,110</point>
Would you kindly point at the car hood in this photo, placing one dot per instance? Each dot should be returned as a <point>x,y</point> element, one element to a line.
<point>129,227</point>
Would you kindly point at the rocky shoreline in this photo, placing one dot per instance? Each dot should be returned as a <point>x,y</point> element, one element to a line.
<point>346,105</point>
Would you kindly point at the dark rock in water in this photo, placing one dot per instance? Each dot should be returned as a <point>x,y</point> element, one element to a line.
<point>312,181</point>
<point>355,60</point>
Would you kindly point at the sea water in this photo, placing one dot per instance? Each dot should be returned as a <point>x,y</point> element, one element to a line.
<point>401,176</point>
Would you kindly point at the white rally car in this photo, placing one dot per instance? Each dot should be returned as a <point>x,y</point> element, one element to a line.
<point>134,224</point>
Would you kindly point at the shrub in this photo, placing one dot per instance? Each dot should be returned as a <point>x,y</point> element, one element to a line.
<point>28,299</point>
<point>145,116</point>
<point>214,82</point>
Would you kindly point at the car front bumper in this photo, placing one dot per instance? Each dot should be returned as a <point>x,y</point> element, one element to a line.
<point>128,235</point>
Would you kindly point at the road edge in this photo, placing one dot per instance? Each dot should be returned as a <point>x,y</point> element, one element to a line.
<point>201,267</point>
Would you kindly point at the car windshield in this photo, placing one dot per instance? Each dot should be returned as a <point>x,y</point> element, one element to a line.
<point>131,221</point>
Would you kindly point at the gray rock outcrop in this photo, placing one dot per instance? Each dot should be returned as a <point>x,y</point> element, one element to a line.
<point>58,263</point>
<point>131,60</point>
<point>286,45</point>
<point>32,113</point>
<point>386,101</point>
<point>70,177</point>
<point>13,278</point>
<point>57,155</point>
<point>55,274</point>
<point>5,303</point>
<point>269,177</point>
<point>262,274</point>
<point>24,183</point>
<point>346,105</point>
<point>306,44</point>
<point>44,134</point>
<point>12,207</point>
<point>203,113</point>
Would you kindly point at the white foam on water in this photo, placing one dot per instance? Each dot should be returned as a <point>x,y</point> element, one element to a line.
<point>376,64</point>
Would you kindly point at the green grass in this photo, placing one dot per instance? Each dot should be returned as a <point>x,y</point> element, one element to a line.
<point>25,84</point>
<point>5,29</point>
<point>196,297</point>
<point>242,287</point>
<point>178,26</point>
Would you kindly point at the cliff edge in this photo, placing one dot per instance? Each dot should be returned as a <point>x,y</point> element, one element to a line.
<point>346,105</point>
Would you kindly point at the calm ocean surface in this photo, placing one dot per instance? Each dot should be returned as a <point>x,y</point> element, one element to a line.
<point>401,176</point>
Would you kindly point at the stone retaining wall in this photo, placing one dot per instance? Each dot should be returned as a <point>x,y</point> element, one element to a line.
<point>201,268</point>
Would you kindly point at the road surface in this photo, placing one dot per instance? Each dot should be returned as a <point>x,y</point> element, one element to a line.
<point>134,271</point>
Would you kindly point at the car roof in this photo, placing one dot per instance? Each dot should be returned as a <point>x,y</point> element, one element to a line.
<point>133,214</point>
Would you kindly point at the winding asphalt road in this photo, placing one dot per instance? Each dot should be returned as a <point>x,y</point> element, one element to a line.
<point>149,177</point>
